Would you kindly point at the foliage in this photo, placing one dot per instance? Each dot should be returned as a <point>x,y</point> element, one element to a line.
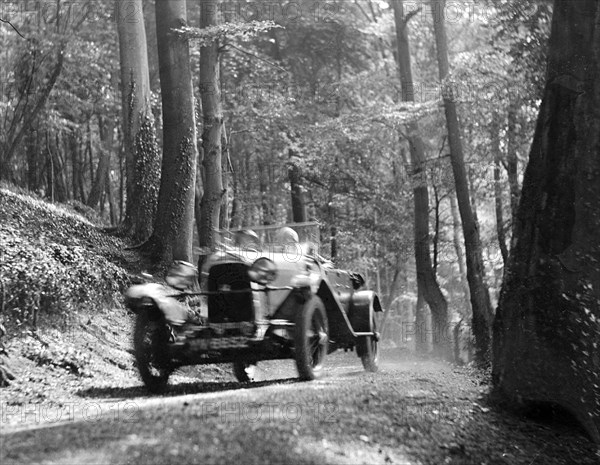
<point>53,261</point>
<point>58,355</point>
<point>229,31</point>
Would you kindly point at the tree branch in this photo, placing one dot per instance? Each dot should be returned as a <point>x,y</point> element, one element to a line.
<point>410,15</point>
<point>256,56</point>
<point>11,25</point>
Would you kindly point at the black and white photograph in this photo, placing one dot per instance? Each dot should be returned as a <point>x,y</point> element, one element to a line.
<point>325,232</point>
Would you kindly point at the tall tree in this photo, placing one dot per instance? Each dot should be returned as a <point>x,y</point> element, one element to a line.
<point>172,236</point>
<point>547,327</point>
<point>141,147</point>
<point>428,287</point>
<point>212,120</point>
<point>480,298</point>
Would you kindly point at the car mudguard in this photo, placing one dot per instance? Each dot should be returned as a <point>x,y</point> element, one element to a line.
<point>362,308</point>
<point>138,297</point>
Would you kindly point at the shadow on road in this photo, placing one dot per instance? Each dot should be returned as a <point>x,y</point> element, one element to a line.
<point>176,389</point>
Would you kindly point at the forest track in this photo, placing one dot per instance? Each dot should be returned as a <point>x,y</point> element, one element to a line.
<point>410,412</point>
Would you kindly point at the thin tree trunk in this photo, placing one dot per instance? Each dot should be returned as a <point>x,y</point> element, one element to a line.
<point>32,161</point>
<point>495,146</point>
<point>107,128</point>
<point>421,326</point>
<point>456,237</point>
<point>297,190</point>
<point>480,298</point>
<point>427,284</point>
<point>14,139</point>
<point>512,163</point>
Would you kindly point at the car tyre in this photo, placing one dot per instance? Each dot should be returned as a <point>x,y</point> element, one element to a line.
<point>311,339</point>
<point>367,348</point>
<point>151,336</point>
<point>244,372</point>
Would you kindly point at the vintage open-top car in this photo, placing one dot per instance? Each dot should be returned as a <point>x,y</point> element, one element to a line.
<point>264,294</point>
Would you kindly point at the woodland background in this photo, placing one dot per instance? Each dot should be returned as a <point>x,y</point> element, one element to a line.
<point>403,128</point>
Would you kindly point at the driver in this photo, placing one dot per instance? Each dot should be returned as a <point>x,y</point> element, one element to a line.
<point>246,238</point>
<point>285,236</point>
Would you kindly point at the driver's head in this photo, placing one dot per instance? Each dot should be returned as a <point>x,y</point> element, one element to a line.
<point>246,237</point>
<point>286,235</point>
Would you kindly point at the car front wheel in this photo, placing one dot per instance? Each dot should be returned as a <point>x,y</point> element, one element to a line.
<point>151,336</point>
<point>368,351</point>
<point>311,339</point>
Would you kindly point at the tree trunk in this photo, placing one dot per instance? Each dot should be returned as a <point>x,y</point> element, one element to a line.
<point>172,236</point>
<point>480,298</point>
<point>107,128</point>
<point>142,156</point>
<point>495,146</point>
<point>28,117</point>
<point>547,327</point>
<point>512,163</point>
<point>297,190</point>
<point>212,123</point>
<point>33,181</point>
<point>427,284</point>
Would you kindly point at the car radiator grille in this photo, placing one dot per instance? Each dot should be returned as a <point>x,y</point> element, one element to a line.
<point>230,306</point>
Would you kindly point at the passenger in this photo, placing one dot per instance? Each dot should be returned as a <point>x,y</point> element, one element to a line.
<point>246,239</point>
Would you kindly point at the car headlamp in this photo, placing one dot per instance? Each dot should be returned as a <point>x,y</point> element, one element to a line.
<point>263,271</point>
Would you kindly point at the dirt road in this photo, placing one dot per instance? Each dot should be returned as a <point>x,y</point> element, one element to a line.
<point>411,412</point>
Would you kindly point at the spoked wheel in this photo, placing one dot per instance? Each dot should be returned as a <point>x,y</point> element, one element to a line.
<point>244,372</point>
<point>311,339</point>
<point>368,351</point>
<point>150,340</point>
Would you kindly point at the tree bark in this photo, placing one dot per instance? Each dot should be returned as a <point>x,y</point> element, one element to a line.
<point>480,298</point>
<point>212,119</point>
<point>142,156</point>
<point>427,284</point>
<point>172,236</point>
<point>495,146</point>
<point>512,163</point>
<point>547,328</point>
<point>107,127</point>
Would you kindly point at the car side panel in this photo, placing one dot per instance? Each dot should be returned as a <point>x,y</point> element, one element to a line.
<point>339,325</point>
<point>341,285</point>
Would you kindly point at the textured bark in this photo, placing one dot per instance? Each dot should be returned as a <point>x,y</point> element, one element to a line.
<point>297,190</point>
<point>142,156</point>
<point>480,298</point>
<point>495,146</point>
<point>547,327</point>
<point>107,128</point>
<point>212,123</point>
<point>427,284</point>
<point>512,163</point>
<point>172,236</point>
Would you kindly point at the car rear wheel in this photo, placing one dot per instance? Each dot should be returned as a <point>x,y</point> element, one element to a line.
<point>244,372</point>
<point>151,336</point>
<point>311,339</point>
<point>368,351</point>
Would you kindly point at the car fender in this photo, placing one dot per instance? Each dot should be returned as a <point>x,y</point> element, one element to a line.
<point>363,306</point>
<point>156,296</point>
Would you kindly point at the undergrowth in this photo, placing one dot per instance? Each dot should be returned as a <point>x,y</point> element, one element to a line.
<point>53,260</point>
